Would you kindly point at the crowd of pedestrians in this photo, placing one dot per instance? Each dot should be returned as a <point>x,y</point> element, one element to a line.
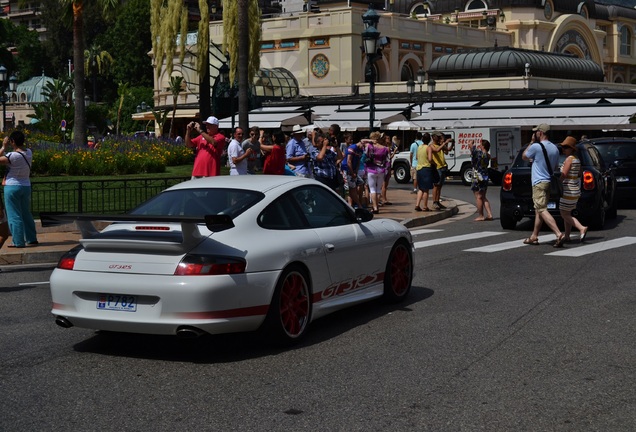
<point>359,171</point>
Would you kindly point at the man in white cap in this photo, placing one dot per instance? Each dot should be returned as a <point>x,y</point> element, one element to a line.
<point>209,145</point>
<point>296,153</point>
<point>542,153</point>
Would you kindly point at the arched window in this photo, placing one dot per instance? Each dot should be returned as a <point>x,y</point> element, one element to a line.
<point>476,5</point>
<point>407,72</point>
<point>626,41</point>
<point>421,10</point>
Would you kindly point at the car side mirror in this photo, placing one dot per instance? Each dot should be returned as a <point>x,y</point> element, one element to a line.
<point>363,215</point>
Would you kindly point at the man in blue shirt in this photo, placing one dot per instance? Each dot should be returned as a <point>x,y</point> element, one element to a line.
<point>296,153</point>
<point>413,155</point>
<point>541,182</point>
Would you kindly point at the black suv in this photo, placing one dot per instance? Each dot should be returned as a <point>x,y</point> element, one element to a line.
<point>598,185</point>
<point>620,154</point>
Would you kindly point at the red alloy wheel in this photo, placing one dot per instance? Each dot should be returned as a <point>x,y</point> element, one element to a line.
<point>400,272</point>
<point>294,304</point>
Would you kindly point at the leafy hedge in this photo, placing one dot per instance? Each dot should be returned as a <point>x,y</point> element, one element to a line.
<point>114,156</point>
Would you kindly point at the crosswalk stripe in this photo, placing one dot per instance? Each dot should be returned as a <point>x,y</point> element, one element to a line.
<point>498,247</point>
<point>595,247</point>
<point>424,231</point>
<point>445,240</point>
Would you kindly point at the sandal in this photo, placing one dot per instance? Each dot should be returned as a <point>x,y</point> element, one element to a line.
<point>559,242</point>
<point>418,208</point>
<point>426,209</point>
<point>583,234</point>
<point>529,241</point>
<point>388,203</point>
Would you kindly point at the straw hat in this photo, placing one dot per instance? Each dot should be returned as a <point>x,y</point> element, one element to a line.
<point>569,142</point>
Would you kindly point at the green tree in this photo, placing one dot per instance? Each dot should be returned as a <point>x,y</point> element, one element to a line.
<point>123,90</point>
<point>241,39</point>
<point>96,62</point>
<point>30,59</point>
<point>56,107</point>
<point>175,86</point>
<point>132,62</point>
<point>79,123</point>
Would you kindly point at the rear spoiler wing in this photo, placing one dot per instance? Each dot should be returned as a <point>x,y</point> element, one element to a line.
<point>92,239</point>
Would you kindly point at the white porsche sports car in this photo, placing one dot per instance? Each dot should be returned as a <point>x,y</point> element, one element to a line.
<point>230,254</point>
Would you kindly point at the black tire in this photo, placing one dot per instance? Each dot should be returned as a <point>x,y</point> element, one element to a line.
<point>290,310</point>
<point>466,174</point>
<point>507,222</point>
<point>401,173</point>
<point>597,222</point>
<point>398,274</point>
<point>612,212</point>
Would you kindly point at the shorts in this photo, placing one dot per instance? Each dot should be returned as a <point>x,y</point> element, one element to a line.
<point>440,176</point>
<point>352,182</point>
<point>414,173</point>
<point>541,196</point>
<point>425,179</point>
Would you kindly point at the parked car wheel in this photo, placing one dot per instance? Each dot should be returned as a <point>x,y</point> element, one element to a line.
<point>289,312</point>
<point>399,273</point>
<point>402,173</point>
<point>507,222</point>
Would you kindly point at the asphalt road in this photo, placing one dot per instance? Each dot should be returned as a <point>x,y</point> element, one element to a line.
<point>514,339</point>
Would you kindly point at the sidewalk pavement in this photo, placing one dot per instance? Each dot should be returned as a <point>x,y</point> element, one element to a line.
<point>55,241</point>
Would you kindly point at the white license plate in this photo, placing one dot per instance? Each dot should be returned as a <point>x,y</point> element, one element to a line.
<point>551,205</point>
<point>117,302</point>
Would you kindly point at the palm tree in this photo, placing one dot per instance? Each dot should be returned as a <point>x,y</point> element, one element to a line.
<point>175,87</point>
<point>96,62</point>
<point>79,123</point>
<point>123,90</point>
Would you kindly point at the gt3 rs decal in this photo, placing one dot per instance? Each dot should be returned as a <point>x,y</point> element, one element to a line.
<point>348,286</point>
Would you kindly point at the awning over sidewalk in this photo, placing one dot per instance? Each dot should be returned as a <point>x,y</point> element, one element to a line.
<point>271,118</point>
<point>559,114</point>
<point>356,117</point>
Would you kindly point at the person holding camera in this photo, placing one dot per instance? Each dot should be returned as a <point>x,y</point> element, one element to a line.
<point>440,146</point>
<point>209,146</point>
<point>17,190</point>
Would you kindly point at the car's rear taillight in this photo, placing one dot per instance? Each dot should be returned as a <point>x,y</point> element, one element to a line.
<point>208,265</point>
<point>506,183</point>
<point>588,180</point>
<point>67,262</point>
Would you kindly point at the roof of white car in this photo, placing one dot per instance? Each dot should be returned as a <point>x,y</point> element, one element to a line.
<point>259,183</point>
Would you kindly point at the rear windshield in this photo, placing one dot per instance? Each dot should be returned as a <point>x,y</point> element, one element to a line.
<point>617,151</point>
<point>199,202</point>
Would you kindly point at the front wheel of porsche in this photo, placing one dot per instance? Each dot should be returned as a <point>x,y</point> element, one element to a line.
<point>398,274</point>
<point>290,309</point>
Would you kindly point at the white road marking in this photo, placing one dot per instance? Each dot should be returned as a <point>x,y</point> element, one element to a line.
<point>445,240</point>
<point>594,247</point>
<point>424,231</point>
<point>498,247</point>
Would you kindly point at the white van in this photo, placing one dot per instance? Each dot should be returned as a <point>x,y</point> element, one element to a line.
<point>505,143</point>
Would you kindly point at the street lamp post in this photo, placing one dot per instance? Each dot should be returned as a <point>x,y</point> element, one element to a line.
<point>431,90</point>
<point>370,37</point>
<point>4,98</point>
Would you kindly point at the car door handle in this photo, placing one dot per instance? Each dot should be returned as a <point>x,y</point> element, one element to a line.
<point>330,247</point>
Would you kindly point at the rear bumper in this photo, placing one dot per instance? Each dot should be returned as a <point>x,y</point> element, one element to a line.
<point>519,208</point>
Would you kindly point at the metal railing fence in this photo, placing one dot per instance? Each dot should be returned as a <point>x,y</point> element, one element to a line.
<point>96,196</point>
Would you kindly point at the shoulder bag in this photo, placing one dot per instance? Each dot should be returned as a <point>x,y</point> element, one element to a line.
<point>556,187</point>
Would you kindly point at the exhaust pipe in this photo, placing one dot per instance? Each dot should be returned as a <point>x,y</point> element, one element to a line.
<point>63,322</point>
<point>187,332</point>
